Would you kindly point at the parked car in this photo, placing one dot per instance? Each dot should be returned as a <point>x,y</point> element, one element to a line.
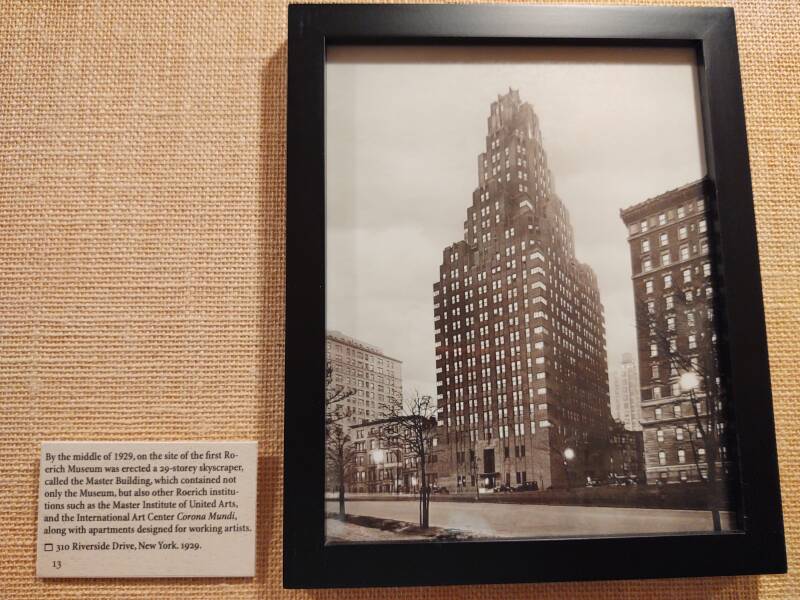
<point>617,480</point>
<point>527,486</point>
<point>439,490</point>
<point>502,488</point>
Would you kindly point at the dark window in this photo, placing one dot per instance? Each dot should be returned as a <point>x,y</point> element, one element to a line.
<point>488,460</point>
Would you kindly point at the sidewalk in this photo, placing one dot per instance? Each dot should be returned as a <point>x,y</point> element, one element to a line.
<point>493,520</point>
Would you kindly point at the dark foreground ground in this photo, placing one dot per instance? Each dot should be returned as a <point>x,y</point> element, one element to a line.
<point>509,520</point>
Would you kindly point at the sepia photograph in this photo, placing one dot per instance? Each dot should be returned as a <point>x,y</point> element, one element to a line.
<point>520,299</point>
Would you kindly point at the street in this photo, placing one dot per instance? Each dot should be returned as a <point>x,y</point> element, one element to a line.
<point>528,520</point>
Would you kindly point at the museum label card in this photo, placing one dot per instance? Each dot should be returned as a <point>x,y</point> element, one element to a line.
<point>147,509</point>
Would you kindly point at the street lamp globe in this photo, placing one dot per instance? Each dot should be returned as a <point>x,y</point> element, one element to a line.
<point>569,453</point>
<point>689,381</point>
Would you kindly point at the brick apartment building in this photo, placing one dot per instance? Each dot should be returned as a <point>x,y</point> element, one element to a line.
<point>519,327</point>
<point>382,467</point>
<point>672,286</point>
<point>374,378</point>
<point>627,453</point>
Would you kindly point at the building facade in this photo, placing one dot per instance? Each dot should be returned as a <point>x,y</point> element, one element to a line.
<point>384,467</point>
<point>625,397</point>
<point>627,455</point>
<point>521,360</point>
<point>672,286</point>
<point>370,378</point>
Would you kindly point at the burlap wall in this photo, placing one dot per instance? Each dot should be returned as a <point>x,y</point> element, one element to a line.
<point>142,259</point>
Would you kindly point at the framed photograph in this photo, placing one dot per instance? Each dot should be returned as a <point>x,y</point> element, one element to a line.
<point>525,332</point>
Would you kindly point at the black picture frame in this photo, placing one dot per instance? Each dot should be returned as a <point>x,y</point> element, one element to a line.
<point>759,546</point>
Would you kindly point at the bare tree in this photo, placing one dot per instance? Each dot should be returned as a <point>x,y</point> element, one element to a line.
<point>683,336</point>
<point>335,394</point>
<point>410,425</point>
<point>339,451</point>
<point>341,459</point>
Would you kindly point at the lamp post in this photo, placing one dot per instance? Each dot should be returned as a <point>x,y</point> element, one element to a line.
<point>474,470</point>
<point>569,455</point>
<point>688,383</point>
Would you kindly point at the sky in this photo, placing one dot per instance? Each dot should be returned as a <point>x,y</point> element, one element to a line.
<point>404,127</point>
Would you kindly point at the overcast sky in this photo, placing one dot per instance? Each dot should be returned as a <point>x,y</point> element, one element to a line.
<point>404,127</point>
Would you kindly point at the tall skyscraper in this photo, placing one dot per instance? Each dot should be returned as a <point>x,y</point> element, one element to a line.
<point>625,396</point>
<point>522,381</point>
<point>369,379</point>
<point>672,287</point>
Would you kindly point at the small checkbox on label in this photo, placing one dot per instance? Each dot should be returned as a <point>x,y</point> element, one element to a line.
<point>48,547</point>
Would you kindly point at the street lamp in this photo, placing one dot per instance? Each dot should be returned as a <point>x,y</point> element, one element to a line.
<point>569,454</point>
<point>689,381</point>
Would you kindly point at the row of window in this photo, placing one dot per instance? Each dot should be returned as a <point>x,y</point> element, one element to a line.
<point>686,275</point>
<point>352,366</point>
<point>688,296</point>
<point>666,256</point>
<point>682,475</point>
<point>683,233</point>
<point>487,430</point>
<point>656,370</point>
<point>364,356</point>
<point>364,384</point>
<point>681,456</point>
<point>677,411</point>
<point>679,433</point>
<point>673,345</point>
<point>666,217</point>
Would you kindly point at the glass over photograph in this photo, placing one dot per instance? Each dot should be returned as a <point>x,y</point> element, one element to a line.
<point>521,336</point>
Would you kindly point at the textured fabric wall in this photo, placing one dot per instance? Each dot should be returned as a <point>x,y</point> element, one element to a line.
<point>142,259</point>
